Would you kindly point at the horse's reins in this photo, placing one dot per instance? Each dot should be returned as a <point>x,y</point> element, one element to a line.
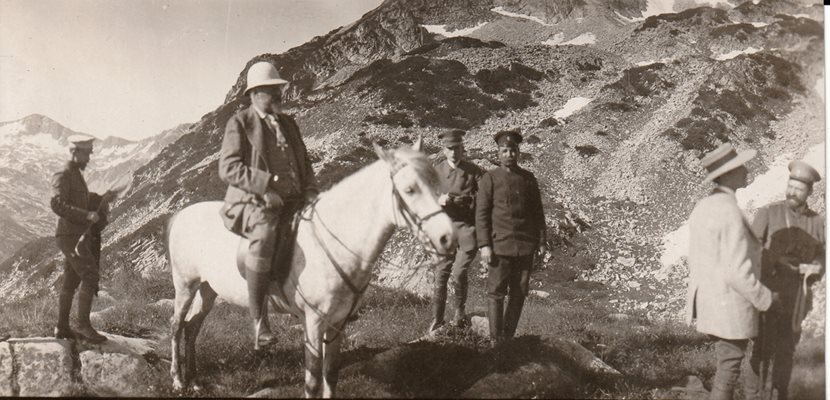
<point>409,215</point>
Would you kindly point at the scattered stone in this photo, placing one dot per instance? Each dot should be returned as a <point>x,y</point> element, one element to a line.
<point>165,303</point>
<point>619,317</point>
<point>480,325</point>
<point>633,284</point>
<point>627,262</point>
<point>688,388</point>
<point>540,293</point>
<point>583,358</point>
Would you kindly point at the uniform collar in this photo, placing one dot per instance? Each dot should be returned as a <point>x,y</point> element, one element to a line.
<point>262,114</point>
<point>727,190</point>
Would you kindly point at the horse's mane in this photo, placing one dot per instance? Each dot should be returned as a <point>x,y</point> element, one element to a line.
<point>408,155</point>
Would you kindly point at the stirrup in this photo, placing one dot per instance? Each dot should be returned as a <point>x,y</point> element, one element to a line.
<point>259,339</point>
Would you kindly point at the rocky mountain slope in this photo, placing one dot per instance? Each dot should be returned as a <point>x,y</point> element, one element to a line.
<point>33,148</point>
<point>617,105</point>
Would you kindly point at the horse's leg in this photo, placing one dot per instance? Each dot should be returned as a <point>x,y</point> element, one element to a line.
<point>331,360</point>
<point>185,293</point>
<point>194,325</point>
<point>313,354</point>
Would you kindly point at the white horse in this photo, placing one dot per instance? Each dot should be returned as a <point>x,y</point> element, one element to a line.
<point>339,238</point>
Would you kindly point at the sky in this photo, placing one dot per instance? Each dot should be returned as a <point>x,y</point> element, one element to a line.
<point>133,68</point>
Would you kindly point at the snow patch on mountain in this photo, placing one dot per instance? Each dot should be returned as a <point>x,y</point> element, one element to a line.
<point>657,7</point>
<point>573,105</point>
<point>759,24</point>
<point>583,39</point>
<point>502,11</point>
<point>734,53</point>
<point>442,30</point>
<point>665,60</point>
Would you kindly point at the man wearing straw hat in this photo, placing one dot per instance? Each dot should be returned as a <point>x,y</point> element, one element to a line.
<point>459,184</point>
<point>266,166</point>
<point>70,201</point>
<point>725,292</point>
<point>792,259</point>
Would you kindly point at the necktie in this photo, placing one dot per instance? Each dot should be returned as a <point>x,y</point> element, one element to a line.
<point>276,127</point>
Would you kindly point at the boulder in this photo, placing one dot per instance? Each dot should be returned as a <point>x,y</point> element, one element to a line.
<point>532,380</point>
<point>44,367</point>
<point>6,369</point>
<point>117,374</point>
<point>480,325</point>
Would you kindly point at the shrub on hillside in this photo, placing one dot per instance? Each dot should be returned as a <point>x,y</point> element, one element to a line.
<point>640,81</point>
<point>738,31</point>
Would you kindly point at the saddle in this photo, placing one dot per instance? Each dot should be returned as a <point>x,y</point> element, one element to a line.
<point>286,239</point>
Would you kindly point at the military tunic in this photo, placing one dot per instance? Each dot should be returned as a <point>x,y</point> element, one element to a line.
<point>798,234</point>
<point>70,201</point>
<point>510,219</point>
<point>461,185</point>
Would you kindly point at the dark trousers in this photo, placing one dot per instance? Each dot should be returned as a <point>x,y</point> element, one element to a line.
<point>776,352</point>
<point>81,268</point>
<point>509,276</point>
<point>730,355</point>
<point>457,267</point>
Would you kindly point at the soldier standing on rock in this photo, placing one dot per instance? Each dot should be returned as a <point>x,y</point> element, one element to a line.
<point>459,184</point>
<point>792,259</point>
<point>510,226</point>
<point>70,201</point>
<point>725,292</point>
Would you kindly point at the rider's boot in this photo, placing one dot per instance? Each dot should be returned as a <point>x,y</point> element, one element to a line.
<point>495,315</point>
<point>257,286</point>
<point>512,314</point>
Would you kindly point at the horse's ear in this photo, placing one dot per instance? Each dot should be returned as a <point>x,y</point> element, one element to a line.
<point>417,145</point>
<point>382,153</point>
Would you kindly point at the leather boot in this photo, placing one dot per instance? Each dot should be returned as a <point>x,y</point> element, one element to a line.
<point>512,315</point>
<point>460,317</point>
<point>495,313</point>
<point>85,330</point>
<point>439,303</point>
<point>257,288</point>
<point>62,330</point>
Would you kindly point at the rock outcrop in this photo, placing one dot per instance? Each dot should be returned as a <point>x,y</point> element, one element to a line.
<point>37,367</point>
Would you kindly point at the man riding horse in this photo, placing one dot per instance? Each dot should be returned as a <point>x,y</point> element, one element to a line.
<point>266,166</point>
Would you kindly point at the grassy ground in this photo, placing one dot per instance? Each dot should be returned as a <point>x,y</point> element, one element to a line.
<point>650,355</point>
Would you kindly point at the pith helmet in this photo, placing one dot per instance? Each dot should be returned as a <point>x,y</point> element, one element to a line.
<point>262,73</point>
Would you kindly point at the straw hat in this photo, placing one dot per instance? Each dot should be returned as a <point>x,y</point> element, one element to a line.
<point>724,159</point>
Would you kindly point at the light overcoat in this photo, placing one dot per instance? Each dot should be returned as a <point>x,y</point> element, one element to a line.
<point>725,292</point>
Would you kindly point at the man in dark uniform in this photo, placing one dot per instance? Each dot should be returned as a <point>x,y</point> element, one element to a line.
<point>459,184</point>
<point>510,226</point>
<point>266,166</point>
<point>792,259</point>
<point>70,201</point>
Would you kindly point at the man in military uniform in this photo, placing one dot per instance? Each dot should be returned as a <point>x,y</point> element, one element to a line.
<point>725,293</point>
<point>266,166</point>
<point>70,201</point>
<point>459,184</point>
<point>510,227</point>
<point>792,259</point>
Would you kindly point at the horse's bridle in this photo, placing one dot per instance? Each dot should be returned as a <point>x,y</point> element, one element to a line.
<point>412,218</point>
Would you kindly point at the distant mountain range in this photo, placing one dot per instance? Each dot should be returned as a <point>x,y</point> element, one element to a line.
<point>617,101</point>
<point>35,147</point>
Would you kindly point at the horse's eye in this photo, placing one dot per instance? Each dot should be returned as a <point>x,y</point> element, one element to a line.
<point>409,190</point>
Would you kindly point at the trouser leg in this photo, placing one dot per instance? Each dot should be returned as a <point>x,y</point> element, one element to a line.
<point>497,282</point>
<point>518,289</point>
<point>439,293</point>
<point>71,280</point>
<point>729,354</point>
<point>460,273</point>
<point>782,366</point>
<point>85,268</point>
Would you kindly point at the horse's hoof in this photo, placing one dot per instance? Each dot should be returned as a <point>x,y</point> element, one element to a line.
<point>177,385</point>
